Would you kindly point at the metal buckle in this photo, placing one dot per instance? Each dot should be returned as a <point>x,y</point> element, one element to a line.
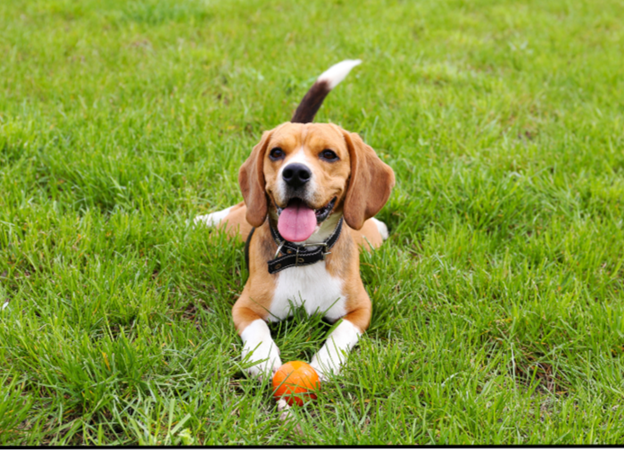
<point>326,251</point>
<point>279,248</point>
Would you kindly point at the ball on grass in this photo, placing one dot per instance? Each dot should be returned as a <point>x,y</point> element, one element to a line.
<point>295,382</point>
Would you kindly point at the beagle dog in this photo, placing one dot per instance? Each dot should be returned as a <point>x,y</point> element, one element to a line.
<point>310,193</point>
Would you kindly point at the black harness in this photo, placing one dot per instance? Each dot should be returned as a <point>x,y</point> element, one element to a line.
<point>294,254</point>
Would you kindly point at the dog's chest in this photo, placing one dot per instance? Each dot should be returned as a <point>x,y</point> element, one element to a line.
<point>311,287</point>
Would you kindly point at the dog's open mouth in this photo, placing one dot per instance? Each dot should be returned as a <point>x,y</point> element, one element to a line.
<point>297,221</point>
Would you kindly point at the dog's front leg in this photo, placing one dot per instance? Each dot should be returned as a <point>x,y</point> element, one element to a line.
<point>257,341</point>
<point>331,357</point>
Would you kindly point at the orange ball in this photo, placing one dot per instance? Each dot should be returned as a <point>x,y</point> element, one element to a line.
<point>295,381</point>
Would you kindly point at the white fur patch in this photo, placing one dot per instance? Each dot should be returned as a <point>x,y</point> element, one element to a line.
<point>297,157</point>
<point>382,227</point>
<point>311,286</point>
<point>338,72</point>
<point>334,352</point>
<point>212,219</point>
<point>322,232</point>
<point>257,341</point>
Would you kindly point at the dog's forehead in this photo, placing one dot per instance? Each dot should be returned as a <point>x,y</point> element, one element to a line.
<point>292,135</point>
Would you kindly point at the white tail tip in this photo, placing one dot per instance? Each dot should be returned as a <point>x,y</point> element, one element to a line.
<point>338,72</point>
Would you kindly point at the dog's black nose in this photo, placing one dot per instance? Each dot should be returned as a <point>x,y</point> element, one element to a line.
<point>296,175</point>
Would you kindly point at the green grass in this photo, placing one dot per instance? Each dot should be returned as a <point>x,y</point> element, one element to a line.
<point>498,300</point>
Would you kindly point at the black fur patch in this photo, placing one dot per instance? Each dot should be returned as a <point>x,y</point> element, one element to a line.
<point>311,103</point>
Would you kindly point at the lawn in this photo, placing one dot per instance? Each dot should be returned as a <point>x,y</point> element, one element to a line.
<point>498,299</point>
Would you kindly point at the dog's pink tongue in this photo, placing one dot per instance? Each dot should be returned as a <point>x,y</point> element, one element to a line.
<point>297,222</point>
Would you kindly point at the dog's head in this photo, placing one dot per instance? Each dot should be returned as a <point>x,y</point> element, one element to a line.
<point>303,173</point>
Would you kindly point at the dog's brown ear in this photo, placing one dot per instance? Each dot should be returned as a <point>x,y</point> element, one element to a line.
<point>370,184</point>
<point>252,184</point>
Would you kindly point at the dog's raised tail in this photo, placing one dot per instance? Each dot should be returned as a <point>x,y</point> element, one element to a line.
<point>327,81</point>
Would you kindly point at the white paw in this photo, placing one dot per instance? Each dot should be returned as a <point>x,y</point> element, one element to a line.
<point>267,357</point>
<point>382,227</point>
<point>212,219</point>
<point>259,347</point>
<point>333,354</point>
<point>324,366</point>
<point>323,375</point>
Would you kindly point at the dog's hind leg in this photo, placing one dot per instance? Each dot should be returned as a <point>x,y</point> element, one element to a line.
<point>213,219</point>
<point>232,218</point>
<point>373,233</point>
<point>382,228</point>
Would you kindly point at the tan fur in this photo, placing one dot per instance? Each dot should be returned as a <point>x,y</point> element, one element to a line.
<point>236,223</point>
<point>343,262</point>
<point>360,180</point>
<point>370,184</point>
<point>251,181</point>
<point>291,138</point>
<point>362,184</point>
<point>256,298</point>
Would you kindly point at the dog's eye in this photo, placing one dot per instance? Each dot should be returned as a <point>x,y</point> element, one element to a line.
<point>328,155</point>
<point>277,154</point>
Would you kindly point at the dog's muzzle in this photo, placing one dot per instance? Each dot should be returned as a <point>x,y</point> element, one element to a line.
<point>296,175</point>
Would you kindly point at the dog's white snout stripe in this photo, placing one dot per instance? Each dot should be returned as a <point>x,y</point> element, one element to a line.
<point>282,186</point>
